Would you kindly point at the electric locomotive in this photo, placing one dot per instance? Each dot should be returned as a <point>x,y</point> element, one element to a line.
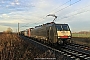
<point>52,33</point>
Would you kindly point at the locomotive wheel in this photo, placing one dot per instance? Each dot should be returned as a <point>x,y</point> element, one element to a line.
<point>44,41</point>
<point>69,41</point>
<point>47,42</point>
<point>60,42</point>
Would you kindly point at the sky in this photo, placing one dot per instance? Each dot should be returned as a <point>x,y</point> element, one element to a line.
<point>31,13</point>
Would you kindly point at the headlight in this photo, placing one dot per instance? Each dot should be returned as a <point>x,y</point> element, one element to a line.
<point>58,37</point>
<point>69,37</point>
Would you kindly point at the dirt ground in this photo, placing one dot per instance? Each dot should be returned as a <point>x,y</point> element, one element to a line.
<point>81,40</point>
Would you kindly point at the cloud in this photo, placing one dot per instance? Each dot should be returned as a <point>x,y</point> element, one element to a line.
<point>15,3</point>
<point>4,16</point>
<point>2,2</point>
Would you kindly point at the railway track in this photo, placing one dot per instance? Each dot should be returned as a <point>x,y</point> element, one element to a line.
<point>75,51</point>
<point>78,51</point>
<point>83,48</point>
<point>86,48</point>
<point>69,51</point>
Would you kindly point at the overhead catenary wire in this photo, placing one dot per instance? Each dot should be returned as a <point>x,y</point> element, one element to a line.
<point>67,6</point>
<point>74,14</point>
<point>62,5</point>
<point>26,24</point>
<point>57,8</point>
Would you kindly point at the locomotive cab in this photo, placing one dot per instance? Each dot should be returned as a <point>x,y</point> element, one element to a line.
<point>63,33</point>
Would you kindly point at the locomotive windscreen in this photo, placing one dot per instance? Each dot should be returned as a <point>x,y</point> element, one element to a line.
<point>62,27</point>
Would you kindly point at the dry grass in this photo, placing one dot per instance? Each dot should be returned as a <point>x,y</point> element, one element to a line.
<point>12,47</point>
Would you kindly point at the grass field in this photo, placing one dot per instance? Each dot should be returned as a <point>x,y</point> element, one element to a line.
<point>82,39</point>
<point>80,35</point>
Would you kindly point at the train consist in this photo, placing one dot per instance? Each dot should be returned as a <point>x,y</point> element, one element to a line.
<point>51,33</point>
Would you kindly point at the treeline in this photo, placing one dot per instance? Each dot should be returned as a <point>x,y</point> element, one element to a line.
<point>83,32</point>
